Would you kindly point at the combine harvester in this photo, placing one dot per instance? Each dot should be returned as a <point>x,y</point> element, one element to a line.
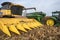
<point>11,19</point>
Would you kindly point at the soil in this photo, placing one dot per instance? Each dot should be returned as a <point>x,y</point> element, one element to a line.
<point>42,33</point>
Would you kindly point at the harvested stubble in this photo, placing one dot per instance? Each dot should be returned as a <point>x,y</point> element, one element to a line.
<point>43,33</point>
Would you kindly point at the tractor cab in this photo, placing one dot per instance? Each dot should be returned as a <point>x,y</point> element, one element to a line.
<point>56,14</point>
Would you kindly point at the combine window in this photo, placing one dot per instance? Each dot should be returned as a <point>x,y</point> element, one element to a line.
<point>16,10</point>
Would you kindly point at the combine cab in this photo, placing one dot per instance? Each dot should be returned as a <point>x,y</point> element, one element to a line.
<point>11,19</point>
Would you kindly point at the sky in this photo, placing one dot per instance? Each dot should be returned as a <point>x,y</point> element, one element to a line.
<point>46,6</point>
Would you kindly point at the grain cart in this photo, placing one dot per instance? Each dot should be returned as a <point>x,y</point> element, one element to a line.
<point>12,21</point>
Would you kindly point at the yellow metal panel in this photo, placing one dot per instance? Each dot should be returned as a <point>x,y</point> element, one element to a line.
<point>4,28</point>
<point>13,29</point>
<point>6,12</point>
<point>38,23</point>
<point>30,25</point>
<point>19,26</point>
<point>25,26</point>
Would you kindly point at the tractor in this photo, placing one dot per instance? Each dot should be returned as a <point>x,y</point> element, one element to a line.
<point>53,20</point>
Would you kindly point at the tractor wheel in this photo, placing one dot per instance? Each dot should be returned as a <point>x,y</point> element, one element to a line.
<point>50,22</point>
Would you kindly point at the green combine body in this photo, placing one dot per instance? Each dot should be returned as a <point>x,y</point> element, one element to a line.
<point>36,15</point>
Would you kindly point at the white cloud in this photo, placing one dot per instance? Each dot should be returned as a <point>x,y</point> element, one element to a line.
<point>42,5</point>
